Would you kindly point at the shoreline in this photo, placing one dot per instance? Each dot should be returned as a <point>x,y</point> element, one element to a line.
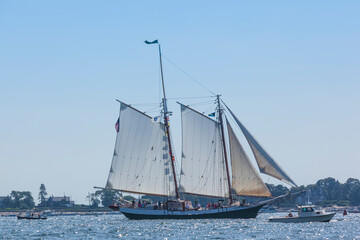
<point>72,212</point>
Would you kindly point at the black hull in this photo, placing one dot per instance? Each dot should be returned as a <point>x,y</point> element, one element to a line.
<point>241,213</point>
<point>31,218</point>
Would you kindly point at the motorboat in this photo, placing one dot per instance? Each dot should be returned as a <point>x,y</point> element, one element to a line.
<point>305,214</point>
<point>32,215</point>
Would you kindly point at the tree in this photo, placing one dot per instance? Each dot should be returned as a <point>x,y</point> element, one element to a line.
<point>42,195</point>
<point>93,200</point>
<point>108,197</point>
<point>353,191</point>
<point>22,200</point>
<point>7,202</point>
<point>277,190</point>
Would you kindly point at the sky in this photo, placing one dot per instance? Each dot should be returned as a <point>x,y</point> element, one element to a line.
<point>288,69</point>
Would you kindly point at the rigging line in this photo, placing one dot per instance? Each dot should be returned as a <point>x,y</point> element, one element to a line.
<point>206,169</point>
<point>191,97</point>
<point>209,109</point>
<point>188,74</point>
<point>159,100</point>
<point>144,104</point>
<point>152,110</point>
<point>201,103</point>
<point>207,102</point>
<point>209,106</point>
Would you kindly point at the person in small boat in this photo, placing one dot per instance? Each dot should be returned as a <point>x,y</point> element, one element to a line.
<point>133,203</point>
<point>290,214</point>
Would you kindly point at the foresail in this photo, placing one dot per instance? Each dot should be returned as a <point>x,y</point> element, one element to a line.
<point>245,179</point>
<point>266,163</point>
<point>141,163</point>
<point>202,165</point>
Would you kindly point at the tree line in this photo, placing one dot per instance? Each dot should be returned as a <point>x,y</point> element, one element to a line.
<point>325,192</point>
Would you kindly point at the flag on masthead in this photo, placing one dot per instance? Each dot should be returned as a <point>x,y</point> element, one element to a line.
<point>155,41</point>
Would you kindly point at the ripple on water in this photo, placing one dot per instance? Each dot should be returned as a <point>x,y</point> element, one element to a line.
<point>118,227</point>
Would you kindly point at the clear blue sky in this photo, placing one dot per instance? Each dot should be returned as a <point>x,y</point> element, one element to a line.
<point>288,69</point>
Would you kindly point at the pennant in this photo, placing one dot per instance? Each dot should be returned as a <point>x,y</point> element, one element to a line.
<point>211,114</point>
<point>155,41</point>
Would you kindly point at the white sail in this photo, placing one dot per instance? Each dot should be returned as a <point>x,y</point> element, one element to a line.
<point>245,179</point>
<point>202,165</point>
<point>266,163</point>
<point>141,162</point>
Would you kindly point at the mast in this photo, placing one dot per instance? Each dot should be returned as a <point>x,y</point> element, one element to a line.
<point>224,147</point>
<point>166,122</point>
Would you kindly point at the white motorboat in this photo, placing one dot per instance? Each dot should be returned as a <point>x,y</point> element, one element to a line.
<point>305,214</point>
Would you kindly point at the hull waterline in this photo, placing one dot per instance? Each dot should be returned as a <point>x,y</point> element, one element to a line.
<point>225,212</point>
<point>32,218</point>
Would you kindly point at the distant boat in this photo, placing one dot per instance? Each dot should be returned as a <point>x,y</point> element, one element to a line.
<point>32,215</point>
<point>114,207</point>
<point>354,211</point>
<point>305,214</point>
<point>144,163</point>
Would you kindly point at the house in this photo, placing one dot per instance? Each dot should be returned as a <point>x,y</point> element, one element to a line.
<point>64,201</point>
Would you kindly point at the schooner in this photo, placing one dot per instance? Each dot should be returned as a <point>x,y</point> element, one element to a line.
<point>213,162</point>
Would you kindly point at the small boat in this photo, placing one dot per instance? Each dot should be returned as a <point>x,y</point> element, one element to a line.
<point>354,211</point>
<point>114,207</point>
<point>305,214</point>
<point>32,215</point>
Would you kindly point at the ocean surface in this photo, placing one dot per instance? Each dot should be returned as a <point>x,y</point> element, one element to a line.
<point>119,227</point>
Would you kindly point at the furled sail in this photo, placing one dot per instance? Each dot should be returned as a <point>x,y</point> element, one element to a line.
<point>202,165</point>
<point>245,179</point>
<point>266,163</point>
<point>141,162</point>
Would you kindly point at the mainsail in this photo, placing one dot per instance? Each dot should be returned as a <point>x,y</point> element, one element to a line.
<point>202,165</point>
<point>266,163</point>
<point>245,179</point>
<point>141,162</point>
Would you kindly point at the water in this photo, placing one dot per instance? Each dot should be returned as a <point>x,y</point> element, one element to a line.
<point>119,227</point>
